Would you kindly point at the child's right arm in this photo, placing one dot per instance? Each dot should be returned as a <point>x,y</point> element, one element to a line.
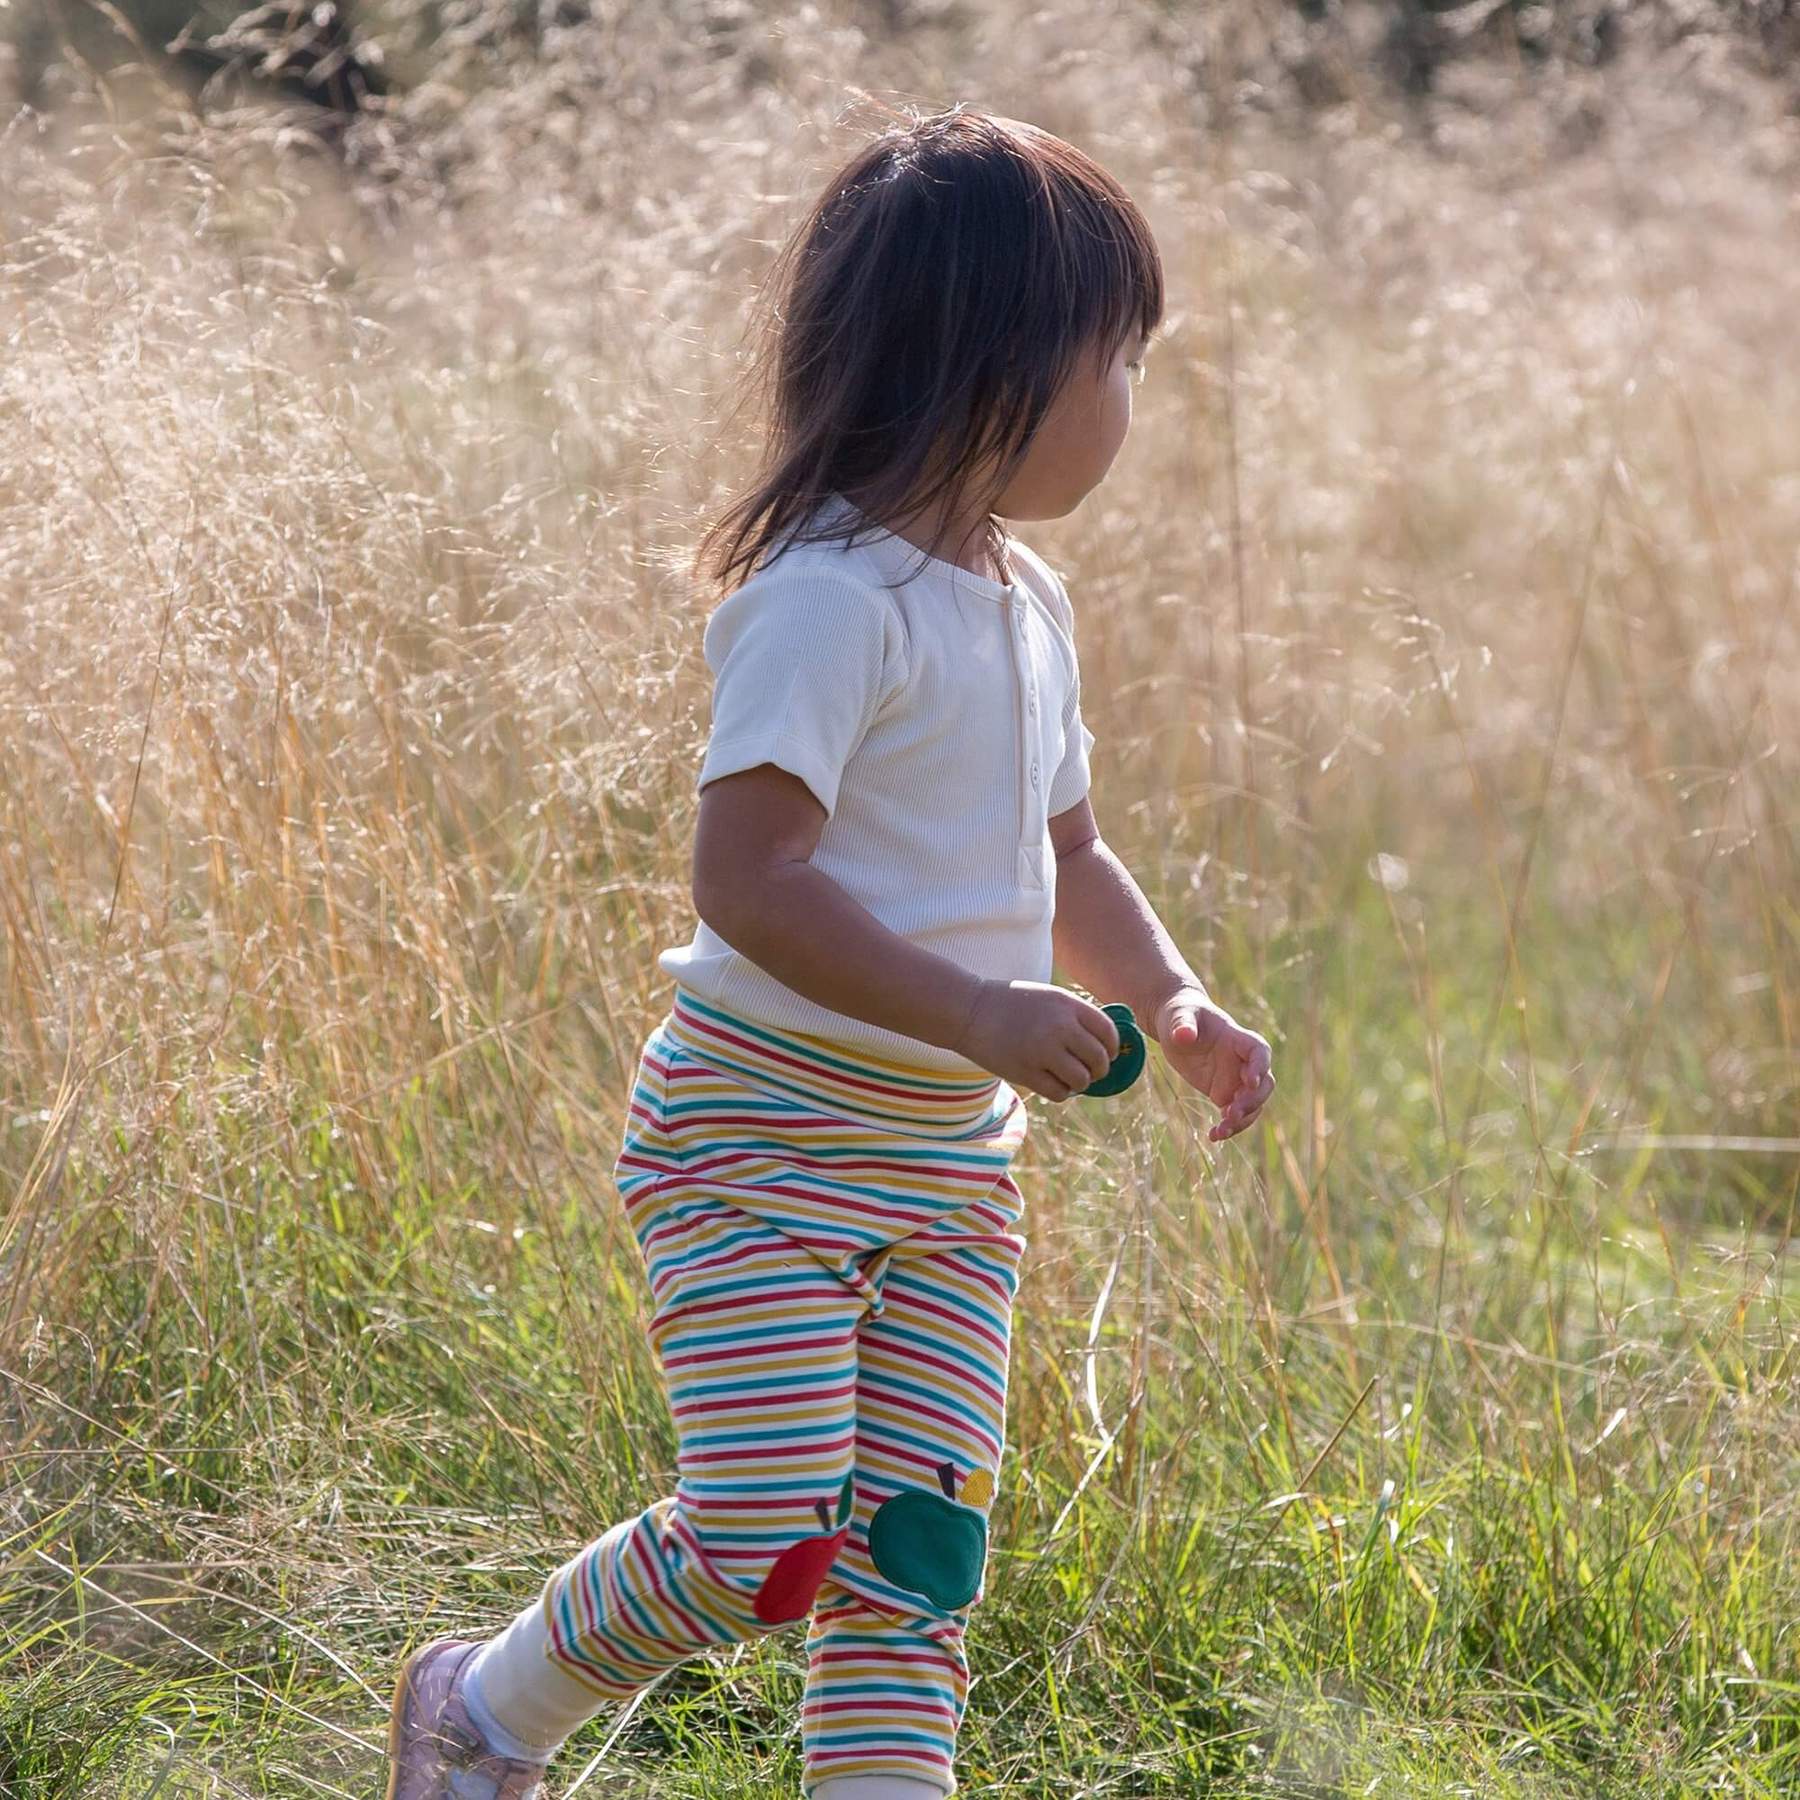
<point>755,886</point>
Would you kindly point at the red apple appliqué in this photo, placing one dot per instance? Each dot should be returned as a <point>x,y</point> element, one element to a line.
<point>792,1583</point>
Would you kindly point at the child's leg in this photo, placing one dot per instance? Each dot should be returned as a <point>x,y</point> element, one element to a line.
<point>520,1698</point>
<point>887,1677</point>
<point>756,1344</point>
<point>761,1371</point>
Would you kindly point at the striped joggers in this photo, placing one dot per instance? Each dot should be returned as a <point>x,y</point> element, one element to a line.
<point>831,1251</point>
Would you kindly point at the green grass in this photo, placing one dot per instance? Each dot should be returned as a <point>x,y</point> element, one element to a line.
<point>1531,1536</point>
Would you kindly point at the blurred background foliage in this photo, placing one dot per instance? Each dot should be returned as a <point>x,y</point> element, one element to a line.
<point>1290,55</point>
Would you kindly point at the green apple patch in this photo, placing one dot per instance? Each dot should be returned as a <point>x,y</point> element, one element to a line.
<point>929,1543</point>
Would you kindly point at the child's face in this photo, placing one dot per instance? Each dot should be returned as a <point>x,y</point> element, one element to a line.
<point>1078,439</point>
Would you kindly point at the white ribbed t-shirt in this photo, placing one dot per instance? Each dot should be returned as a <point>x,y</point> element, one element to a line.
<point>939,723</point>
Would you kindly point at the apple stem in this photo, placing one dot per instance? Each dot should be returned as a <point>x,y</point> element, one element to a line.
<point>946,1474</point>
<point>824,1515</point>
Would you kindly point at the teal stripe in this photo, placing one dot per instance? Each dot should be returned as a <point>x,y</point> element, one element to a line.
<point>762,1077</point>
<point>831,1184</point>
<point>972,1313</point>
<point>698,1332</point>
<point>709,1437</point>
<point>890,1434</point>
<point>876,1384</point>
<point>978,1362</point>
<point>705,1487</point>
<point>809,1053</point>
<point>894,1734</point>
<point>704,1210</point>
<point>718,1290</point>
<point>678,1256</point>
<point>770,1384</point>
<point>841,1689</point>
<point>929,1159</point>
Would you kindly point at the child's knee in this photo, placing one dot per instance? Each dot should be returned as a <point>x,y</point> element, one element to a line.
<point>934,1544</point>
<point>779,1585</point>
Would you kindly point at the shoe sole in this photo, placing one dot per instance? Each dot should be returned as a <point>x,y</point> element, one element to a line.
<point>393,1735</point>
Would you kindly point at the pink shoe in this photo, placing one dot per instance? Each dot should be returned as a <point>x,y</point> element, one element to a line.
<point>434,1750</point>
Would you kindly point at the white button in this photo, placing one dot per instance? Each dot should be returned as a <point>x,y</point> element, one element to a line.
<point>1034,703</point>
<point>1034,774</point>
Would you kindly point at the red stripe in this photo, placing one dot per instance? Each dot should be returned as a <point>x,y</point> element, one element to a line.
<point>818,1709</point>
<point>863,1208</point>
<point>944,1312</point>
<point>923,1658</point>
<point>755,1503</point>
<point>676,1230</point>
<point>669,1234</point>
<point>747,1403</point>
<point>979,1277</point>
<point>738,1352</point>
<point>769,1452</point>
<point>650,1166</point>
<point>702,1635</point>
<point>819,1758</point>
<point>914,1357</point>
<point>830,1078</point>
<point>925,1462</point>
<point>732,1300</point>
<point>973,1178</point>
<point>957,1429</point>
<point>726,1260</point>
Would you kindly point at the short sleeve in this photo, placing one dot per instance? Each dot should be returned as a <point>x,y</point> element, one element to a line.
<point>802,661</point>
<point>1072,777</point>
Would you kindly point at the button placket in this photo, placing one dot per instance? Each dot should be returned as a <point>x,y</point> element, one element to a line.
<point>1030,846</point>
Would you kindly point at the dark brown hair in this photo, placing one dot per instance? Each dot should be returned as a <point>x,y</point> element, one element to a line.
<point>944,285</point>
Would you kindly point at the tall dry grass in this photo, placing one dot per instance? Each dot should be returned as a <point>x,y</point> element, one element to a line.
<point>1439,635</point>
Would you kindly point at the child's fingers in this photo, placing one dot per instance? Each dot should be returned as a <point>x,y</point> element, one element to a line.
<point>1253,1090</point>
<point>1244,1108</point>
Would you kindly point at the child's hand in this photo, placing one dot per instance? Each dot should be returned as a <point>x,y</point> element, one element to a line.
<point>1040,1037</point>
<point>1210,1050</point>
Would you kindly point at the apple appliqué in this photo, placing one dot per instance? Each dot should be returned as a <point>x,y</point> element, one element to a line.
<point>931,1545</point>
<point>792,1583</point>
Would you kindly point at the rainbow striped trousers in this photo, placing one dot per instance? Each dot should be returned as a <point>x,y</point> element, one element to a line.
<point>831,1250</point>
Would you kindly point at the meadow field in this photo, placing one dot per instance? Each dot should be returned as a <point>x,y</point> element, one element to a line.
<point>1438,1436</point>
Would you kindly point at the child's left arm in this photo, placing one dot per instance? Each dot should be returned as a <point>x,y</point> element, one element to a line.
<point>1108,938</point>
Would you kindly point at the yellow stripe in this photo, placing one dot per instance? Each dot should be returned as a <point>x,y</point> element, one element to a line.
<point>825,1046</point>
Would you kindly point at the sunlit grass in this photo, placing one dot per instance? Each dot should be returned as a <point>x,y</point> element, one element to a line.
<point>1439,636</point>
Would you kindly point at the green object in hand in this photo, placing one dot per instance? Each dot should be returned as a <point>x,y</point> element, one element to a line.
<point>1128,1065</point>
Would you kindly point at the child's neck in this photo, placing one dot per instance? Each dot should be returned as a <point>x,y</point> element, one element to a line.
<point>963,540</point>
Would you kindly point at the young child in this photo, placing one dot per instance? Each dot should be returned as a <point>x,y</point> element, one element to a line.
<point>894,837</point>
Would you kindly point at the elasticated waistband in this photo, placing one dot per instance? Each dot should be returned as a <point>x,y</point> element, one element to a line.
<point>837,1077</point>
